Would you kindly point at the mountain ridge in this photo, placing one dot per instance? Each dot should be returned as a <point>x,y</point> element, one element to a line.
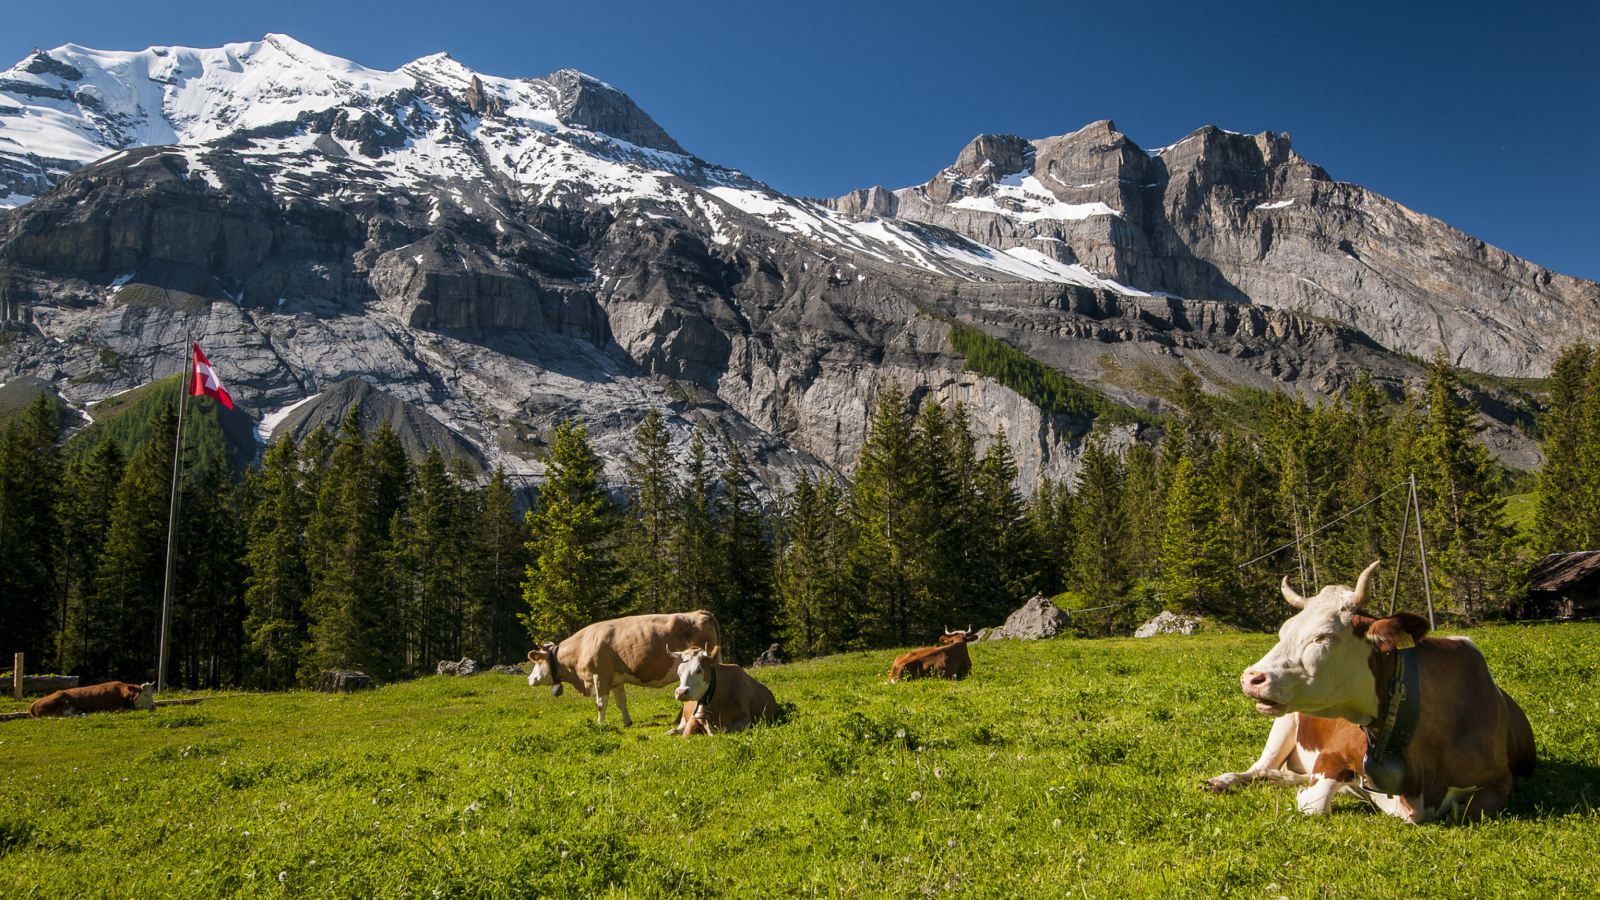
<point>484,250</point>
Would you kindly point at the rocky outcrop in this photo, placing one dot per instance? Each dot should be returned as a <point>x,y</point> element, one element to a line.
<point>342,681</point>
<point>1035,620</point>
<point>773,656</point>
<point>464,668</point>
<point>1167,623</point>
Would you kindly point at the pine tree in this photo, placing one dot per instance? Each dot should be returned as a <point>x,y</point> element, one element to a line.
<point>208,609</point>
<point>1098,530</point>
<point>30,530</point>
<point>1196,570</point>
<point>650,513</point>
<point>1473,547</point>
<point>1003,573</point>
<point>1144,500</point>
<point>572,578</point>
<point>130,576</point>
<point>884,495</point>
<point>502,560</point>
<point>91,493</point>
<point>817,609</point>
<point>278,585</point>
<point>1561,519</point>
<point>698,557</point>
<point>745,609</point>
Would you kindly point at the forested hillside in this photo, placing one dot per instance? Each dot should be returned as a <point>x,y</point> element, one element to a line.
<point>341,551</point>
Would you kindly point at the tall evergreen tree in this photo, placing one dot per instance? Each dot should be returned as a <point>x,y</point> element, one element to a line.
<point>745,609</point>
<point>1003,575</point>
<point>278,585</point>
<point>572,576</point>
<point>650,513</point>
<point>1099,531</point>
<point>814,583</point>
<point>1561,517</point>
<point>884,496</point>
<point>30,530</point>
<point>91,493</point>
<point>698,560</point>
<point>502,561</point>
<point>1196,570</point>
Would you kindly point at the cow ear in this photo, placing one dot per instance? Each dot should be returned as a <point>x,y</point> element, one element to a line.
<point>714,652</point>
<point>1385,632</point>
<point>147,688</point>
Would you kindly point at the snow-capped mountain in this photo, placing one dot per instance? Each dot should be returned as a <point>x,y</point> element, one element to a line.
<point>497,254</point>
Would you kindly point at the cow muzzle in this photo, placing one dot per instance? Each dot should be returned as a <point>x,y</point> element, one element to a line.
<point>681,694</point>
<point>1257,685</point>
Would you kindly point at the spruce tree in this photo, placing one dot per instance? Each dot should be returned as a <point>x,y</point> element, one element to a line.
<point>572,576</point>
<point>1196,570</point>
<point>30,530</point>
<point>1099,530</point>
<point>91,493</point>
<point>1561,519</point>
<point>278,584</point>
<point>650,514</point>
<point>1003,573</point>
<point>698,556</point>
<point>745,608</point>
<point>501,559</point>
<point>817,612</point>
<point>884,496</point>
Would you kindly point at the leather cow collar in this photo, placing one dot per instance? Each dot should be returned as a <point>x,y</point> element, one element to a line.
<point>711,690</point>
<point>555,673</point>
<point>1397,720</point>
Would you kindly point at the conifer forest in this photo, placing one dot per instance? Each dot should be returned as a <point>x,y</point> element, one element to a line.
<point>342,552</point>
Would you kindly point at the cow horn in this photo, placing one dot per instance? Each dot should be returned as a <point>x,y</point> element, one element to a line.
<point>1295,600</point>
<point>948,632</point>
<point>1362,585</point>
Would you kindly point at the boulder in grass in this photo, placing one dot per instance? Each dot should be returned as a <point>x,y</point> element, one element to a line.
<point>773,657</point>
<point>1037,619</point>
<point>1168,623</point>
<point>342,681</point>
<point>508,670</point>
<point>464,667</point>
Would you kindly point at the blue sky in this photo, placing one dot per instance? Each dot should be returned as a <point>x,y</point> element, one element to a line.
<point>1484,115</point>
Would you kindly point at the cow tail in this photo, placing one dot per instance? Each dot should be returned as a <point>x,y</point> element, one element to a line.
<point>717,627</point>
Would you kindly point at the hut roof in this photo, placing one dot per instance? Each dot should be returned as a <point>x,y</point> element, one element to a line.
<point>1559,571</point>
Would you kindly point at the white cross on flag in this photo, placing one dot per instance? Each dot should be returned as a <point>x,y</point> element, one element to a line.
<point>205,380</point>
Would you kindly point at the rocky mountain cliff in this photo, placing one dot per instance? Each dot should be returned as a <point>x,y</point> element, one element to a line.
<point>490,256</point>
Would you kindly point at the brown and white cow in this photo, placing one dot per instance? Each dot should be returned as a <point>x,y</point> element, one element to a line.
<point>949,660</point>
<point>1329,676</point>
<point>113,696</point>
<point>726,697</point>
<point>601,658</point>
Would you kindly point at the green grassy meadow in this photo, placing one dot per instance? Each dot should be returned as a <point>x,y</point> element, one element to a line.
<point>1059,769</point>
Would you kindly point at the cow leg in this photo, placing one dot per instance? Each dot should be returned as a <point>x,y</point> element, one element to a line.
<point>1280,744</point>
<point>600,691</point>
<point>1315,799</point>
<point>621,695</point>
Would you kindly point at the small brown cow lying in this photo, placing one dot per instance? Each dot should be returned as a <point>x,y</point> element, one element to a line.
<point>950,660</point>
<point>113,696</point>
<point>724,696</point>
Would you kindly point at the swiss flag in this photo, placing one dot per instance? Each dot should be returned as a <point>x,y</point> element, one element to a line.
<point>206,382</point>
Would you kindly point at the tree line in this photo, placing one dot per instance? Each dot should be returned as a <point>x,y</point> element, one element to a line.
<point>339,551</point>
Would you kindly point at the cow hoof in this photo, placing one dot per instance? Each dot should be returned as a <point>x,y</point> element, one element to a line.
<point>1220,785</point>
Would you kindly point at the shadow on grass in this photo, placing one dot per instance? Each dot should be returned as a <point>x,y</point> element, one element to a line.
<point>1557,788</point>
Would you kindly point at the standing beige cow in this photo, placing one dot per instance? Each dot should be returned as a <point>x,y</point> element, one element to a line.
<point>728,698</point>
<point>601,658</point>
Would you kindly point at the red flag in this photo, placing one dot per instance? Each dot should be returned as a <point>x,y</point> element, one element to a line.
<point>205,381</point>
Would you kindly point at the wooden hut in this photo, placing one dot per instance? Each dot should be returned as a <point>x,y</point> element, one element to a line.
<point>1565,586</point>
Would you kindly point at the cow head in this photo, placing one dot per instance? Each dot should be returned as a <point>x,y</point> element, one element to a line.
<point>1320,665</point>
<point>694,673</point>
<point>541,670</point>
<point>146,697</point>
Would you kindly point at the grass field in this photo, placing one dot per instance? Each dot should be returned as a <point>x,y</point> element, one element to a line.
<point>1059,769</point>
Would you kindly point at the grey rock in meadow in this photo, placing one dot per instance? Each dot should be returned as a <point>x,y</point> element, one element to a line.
<point>1167,623</point>
<point>508,670</point>
<point>340,681</point>
<point>464,667</point>
<point>1037,619</point>
<point>772,657</point>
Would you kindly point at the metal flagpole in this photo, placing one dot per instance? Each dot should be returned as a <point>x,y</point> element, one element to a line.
<point>172,514</point>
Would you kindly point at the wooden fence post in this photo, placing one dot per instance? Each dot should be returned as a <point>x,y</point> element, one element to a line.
<point>16,678</point>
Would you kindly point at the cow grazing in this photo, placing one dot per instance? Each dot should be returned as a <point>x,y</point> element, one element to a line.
<point>1328,681</point>
<point>726,697</point>
<point>113,696</point>
<point>601,658</point>
<point>949,660</point>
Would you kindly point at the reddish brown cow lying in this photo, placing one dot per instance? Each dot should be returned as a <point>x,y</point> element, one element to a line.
<point>113,696</point>
<point>1330,675</point>
<point>947,661</point>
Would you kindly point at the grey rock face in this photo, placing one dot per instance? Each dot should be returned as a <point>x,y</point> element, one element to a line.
<point>1167,623</point>
<point>342,681</point>
<point>1035,620</point>
<point>464,667</point>
<point>773,656</point>
<point>477,277</point>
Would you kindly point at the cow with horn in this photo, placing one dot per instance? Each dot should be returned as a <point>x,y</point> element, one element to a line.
<point>602,658</point>
<point>948,660</point>
<point>1372,707</point>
